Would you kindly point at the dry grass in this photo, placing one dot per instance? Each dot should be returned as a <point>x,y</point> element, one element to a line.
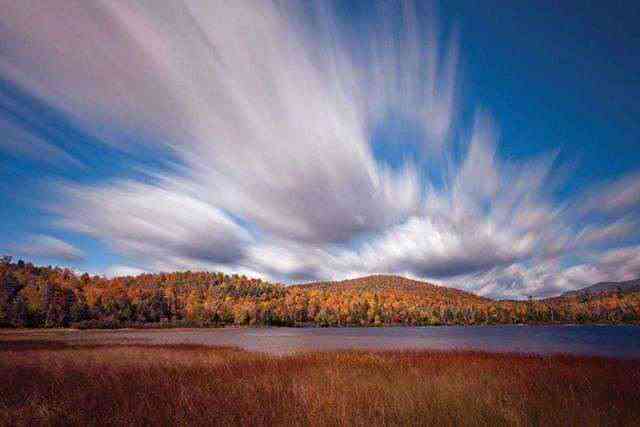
<point>56,384</point>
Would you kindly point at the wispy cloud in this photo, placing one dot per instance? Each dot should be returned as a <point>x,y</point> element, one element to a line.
<point>269,112</point>
<point>151,222</point>
<point>614,198</point>
<point>48,247</point>
<point>18,141</point>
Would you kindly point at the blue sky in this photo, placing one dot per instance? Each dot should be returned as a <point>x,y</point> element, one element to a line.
<point>484,145</point>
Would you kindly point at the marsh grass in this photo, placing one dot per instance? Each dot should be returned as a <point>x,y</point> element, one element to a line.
<point>56,384</point>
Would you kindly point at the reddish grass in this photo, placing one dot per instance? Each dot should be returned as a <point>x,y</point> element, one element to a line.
<point>55,384</point>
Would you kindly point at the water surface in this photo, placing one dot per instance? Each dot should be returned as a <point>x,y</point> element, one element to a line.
<point>610,341</point>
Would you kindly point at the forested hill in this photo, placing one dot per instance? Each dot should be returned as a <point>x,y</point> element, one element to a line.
<point>387,283</point>
<point>607,288</point>
<point>32,296</point>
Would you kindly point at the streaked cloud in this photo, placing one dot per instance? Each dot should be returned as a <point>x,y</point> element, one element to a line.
<point>48,247</point>
<point>619,196</point>
<point>267,113</point>
<point>20,142</point>
<point>152,222</point>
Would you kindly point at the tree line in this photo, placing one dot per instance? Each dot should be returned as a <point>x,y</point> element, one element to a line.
<point>53,297</point>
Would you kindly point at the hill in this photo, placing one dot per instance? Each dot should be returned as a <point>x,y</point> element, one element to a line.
<point>389,283</point>
<point>604,288</point>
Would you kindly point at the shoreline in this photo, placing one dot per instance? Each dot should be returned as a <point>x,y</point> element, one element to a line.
<point>155,327</point>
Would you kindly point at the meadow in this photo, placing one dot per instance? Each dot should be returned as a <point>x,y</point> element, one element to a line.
<point>56,383</point>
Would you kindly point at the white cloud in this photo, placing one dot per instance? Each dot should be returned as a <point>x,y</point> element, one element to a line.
<point>551,277</point>
<point>48,247</point>
<point>270,119</point>
<point>150,221</point>
<point>19,141</point>
<point>618,196</point>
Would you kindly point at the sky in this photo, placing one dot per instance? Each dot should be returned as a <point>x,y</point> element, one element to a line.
<point>491,146</point>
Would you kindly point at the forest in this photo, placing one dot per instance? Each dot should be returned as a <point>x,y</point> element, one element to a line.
<point>54,297</point>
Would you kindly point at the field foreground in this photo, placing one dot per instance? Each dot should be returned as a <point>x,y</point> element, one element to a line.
<point>54,383</point>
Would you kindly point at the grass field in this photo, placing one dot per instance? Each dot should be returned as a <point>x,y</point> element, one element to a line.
<point>53,383</point>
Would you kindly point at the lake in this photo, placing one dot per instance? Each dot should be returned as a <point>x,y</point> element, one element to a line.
<point>609,341</point>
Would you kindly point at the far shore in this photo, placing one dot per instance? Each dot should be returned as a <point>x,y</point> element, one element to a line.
<point>164,327</point>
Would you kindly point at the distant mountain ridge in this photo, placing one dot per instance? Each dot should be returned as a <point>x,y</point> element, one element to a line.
<point>606,288</point>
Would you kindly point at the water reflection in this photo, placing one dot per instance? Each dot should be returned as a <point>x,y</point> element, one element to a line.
<point>612,341</point>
